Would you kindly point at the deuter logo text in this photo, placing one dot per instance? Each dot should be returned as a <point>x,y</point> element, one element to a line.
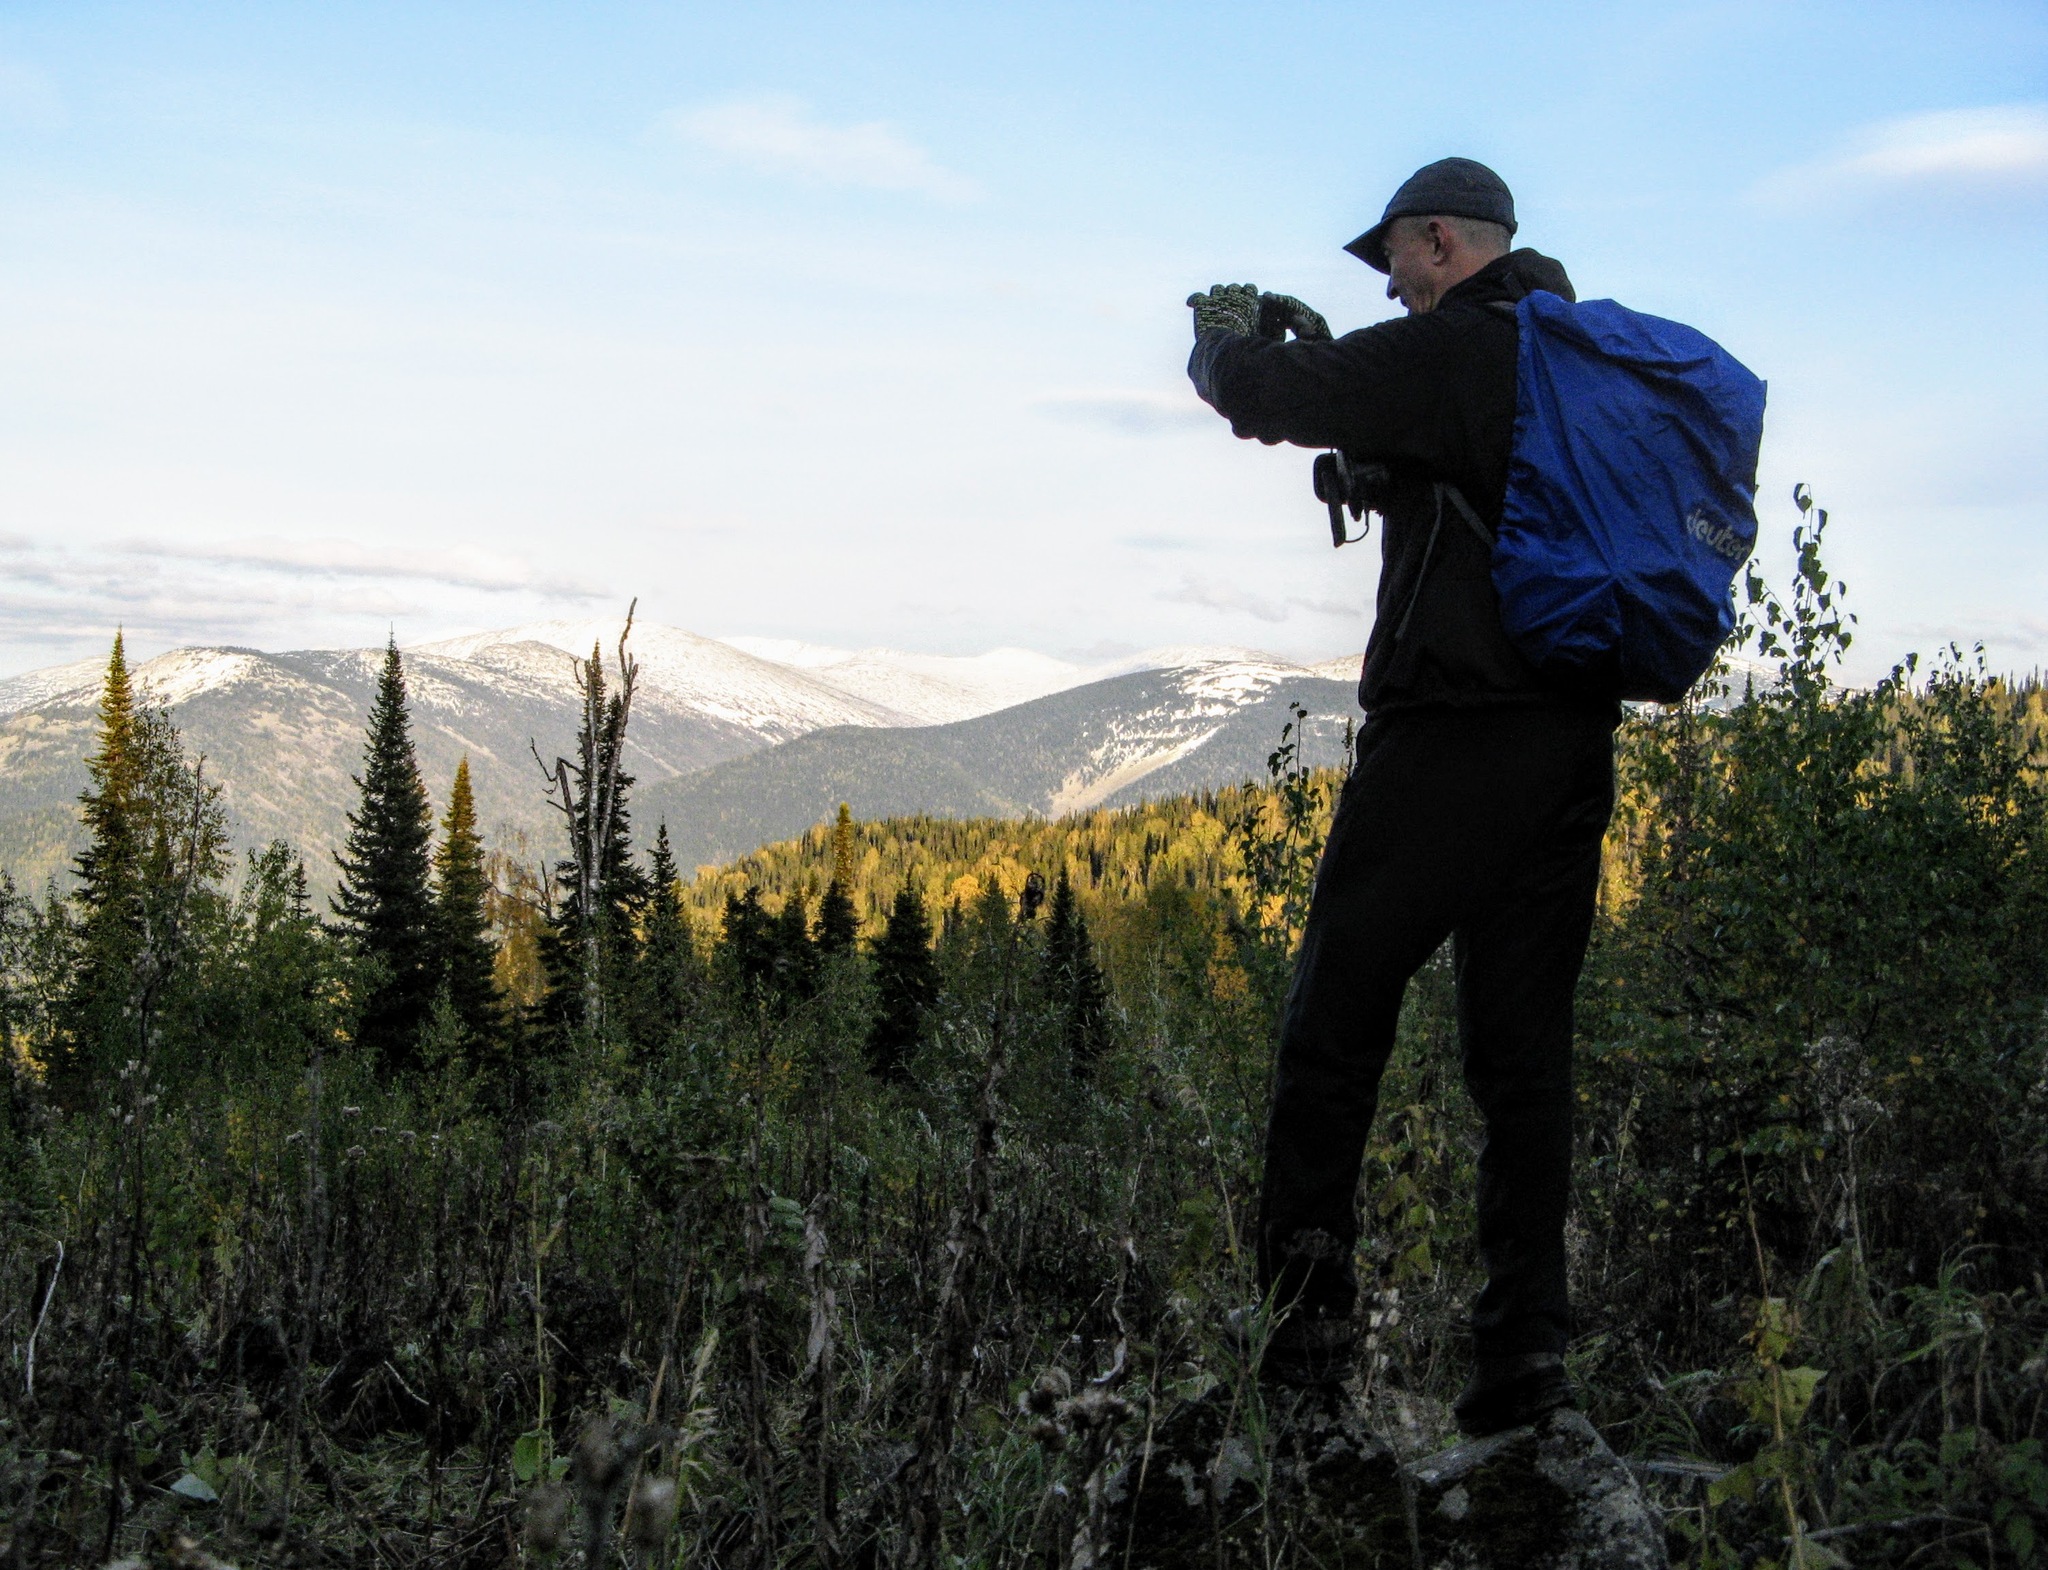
<point>1720,538</point>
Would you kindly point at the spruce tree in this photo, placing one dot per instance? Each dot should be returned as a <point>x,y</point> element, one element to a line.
<point>838,924</point>
<point>668,954</point>
<point>466,958</point>
<point>906,985</point>
<point>385,904</point>
<point>111,807</point>
<point>1072,981</point>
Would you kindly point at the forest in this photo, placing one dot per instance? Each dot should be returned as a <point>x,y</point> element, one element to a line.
<point>775,1214</point>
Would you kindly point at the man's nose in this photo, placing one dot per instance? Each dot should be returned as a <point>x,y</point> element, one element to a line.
<point>1392,292</point>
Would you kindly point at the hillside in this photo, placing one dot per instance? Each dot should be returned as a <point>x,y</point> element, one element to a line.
<point>1149,734</point>
<point>282,733</point>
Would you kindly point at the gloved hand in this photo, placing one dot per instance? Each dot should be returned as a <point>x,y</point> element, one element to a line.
<point>1231,306</point>
<point>1278,313</point>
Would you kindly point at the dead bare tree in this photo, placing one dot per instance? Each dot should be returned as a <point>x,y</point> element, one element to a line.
<point>586,793</point>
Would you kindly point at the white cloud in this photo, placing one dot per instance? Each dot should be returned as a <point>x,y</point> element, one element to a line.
<point>2006,145</point>
<point>1132,413</point>
<point>465,567</point>
<point>780,135</point>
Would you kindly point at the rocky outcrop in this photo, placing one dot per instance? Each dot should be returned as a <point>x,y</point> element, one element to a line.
<point>1242,1478</point>
<point>1551,1497</point>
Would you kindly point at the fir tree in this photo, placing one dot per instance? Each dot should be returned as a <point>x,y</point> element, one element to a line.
<point>466,955</point>
<point>906,985</point>
<point>385,904</point>
<point>838,925</point>
<point>278,1007</point>
<point>668,954</point>
<point>796,957</point>
<point>1072,981</point>
<point>746,945</point>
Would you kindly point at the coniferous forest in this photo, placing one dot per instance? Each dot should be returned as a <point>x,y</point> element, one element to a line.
<point>865,1202</point>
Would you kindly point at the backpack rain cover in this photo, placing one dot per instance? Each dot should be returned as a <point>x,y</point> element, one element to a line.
<point>1631,499</point>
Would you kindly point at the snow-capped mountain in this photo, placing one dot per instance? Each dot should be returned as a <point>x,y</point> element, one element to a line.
<point>680,669</point>
<point>282,733</point>
<point>1196,725</point>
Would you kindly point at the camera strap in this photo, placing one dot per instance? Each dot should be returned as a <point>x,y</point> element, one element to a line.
<point>1456,497</point>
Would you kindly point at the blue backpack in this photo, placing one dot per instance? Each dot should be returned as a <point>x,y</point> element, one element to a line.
<point>1631,497</point>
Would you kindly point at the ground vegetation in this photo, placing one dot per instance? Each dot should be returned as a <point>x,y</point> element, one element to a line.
<point>766,1229</point>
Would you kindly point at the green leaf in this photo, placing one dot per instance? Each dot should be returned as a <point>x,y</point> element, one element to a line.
<point>1739,1483</point>
<point>526,1452</point>
<point>192,1486</point>
<point>2019,1537</point>
<point>1796,1387</point>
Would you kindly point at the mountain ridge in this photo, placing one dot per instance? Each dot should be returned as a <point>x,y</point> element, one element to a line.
<point>282,732</point>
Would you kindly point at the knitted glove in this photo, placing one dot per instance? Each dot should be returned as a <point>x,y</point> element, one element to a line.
<point>1281,313</point>
<point>1231,306</point>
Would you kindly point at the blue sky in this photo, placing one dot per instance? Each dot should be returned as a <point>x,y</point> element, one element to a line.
<point>863,324</point>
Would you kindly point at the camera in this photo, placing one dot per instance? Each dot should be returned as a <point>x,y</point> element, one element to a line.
<point>1357,488</point>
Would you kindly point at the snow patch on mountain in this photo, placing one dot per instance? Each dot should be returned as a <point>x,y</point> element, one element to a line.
<point>174,678</point>
<point>703,674</point>
<point>1085,787</point>
<point>32,689</point>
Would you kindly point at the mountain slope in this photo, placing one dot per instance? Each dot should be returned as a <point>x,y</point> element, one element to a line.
<point>283,733</point>
<point>1104,744</point>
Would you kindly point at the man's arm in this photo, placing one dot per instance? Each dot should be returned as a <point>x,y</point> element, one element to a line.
<point>1358,392</point>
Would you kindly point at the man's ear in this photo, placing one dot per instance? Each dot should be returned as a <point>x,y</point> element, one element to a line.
<point>1442,242</point>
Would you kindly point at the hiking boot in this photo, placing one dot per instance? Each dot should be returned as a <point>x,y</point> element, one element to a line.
<point>1507,1392</point>
<point>1302,1349</point>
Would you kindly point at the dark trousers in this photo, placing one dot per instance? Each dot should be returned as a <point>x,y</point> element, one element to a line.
<point>1482,825</point>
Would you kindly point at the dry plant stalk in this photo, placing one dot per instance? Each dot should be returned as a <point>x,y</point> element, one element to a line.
<point>818,1371</point>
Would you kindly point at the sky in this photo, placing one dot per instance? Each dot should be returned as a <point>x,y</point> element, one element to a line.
<point>863,324</point>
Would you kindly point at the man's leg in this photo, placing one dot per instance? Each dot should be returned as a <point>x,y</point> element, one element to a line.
<point>1518,960</point>
<point>1381,907</point>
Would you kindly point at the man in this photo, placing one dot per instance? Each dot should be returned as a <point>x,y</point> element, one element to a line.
<point>1477,805</point>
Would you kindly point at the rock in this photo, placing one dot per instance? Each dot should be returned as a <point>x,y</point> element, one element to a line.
<point>1226,1477</point>
<point>1548,1497</point>
<point>1228,1480</point>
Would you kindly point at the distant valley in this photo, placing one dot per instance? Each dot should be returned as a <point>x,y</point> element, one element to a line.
<point>733,742</point>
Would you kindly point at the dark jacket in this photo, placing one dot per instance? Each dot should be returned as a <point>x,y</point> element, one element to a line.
<point>1432,397</point>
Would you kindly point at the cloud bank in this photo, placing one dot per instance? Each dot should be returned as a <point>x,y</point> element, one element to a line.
<point>463,567</point>
<point>1211,595</point>
<point>279,593</point>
